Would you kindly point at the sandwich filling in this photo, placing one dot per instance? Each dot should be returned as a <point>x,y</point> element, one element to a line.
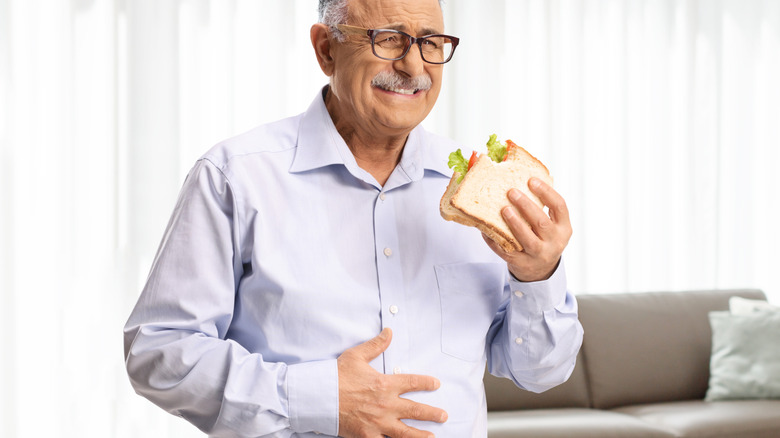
<point>497,152</point>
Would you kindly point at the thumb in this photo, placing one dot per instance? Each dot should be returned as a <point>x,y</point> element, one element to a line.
<point>372,348</point>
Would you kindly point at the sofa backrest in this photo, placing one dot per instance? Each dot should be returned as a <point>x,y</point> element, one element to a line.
<point>649,347</point>
<point>638,348</point>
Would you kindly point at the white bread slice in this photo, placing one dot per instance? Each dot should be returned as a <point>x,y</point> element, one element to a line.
<point>478,199</point>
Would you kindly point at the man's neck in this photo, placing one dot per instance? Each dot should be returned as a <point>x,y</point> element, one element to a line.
<point>377,158</point>
<point>374,153</point>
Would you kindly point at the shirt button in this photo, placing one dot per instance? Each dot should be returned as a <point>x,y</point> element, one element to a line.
<point>393,309</point>
<point>519,294</point>
<point>388,252</point>
<point>397,370</point>
<point>518,341</point>
<point>382,196</point>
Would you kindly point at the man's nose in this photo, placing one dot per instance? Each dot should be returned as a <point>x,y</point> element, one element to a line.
<point>412,64</point>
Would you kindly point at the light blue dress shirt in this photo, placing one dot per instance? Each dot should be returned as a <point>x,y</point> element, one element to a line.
<point>281,253</point>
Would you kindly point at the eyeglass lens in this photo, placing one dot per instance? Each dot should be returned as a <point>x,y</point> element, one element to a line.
<point>392,45</point>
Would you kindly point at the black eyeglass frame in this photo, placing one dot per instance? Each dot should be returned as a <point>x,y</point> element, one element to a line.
<point>371,33</point>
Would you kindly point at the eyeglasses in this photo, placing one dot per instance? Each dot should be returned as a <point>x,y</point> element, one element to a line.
<point>393,45</point>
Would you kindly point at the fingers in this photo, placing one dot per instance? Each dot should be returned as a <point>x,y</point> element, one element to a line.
<point>542,236</point>
<point>372,348</point>
<point>416,382</point>
<point>559,212</point>
<point>372,404</point>
<point>543,225</point>
<point>527,221</point>
<point>418,411</point>
<point>519,227</point>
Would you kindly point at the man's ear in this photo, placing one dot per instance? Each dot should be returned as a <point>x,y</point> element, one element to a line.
<point>321,43</point>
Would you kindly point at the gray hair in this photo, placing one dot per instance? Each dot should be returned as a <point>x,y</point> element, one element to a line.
<point>333,12</point>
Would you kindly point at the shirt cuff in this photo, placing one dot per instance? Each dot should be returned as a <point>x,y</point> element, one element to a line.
<point>313,397</point>
<point>540,296</point>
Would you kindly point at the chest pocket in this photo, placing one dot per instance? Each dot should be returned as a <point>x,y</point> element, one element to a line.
<point>470,295</point>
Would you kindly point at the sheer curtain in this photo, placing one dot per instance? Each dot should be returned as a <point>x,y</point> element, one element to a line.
<point>660,121</point>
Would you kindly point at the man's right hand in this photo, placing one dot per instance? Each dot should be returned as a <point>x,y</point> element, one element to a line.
<point>369,402</point>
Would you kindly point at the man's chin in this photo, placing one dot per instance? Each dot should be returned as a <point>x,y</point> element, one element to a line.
<point>402,112</point>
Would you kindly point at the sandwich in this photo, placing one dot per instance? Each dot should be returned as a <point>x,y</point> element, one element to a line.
<point>477,191</point>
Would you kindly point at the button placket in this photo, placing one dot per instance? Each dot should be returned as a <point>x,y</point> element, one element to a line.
<point>390,282</point>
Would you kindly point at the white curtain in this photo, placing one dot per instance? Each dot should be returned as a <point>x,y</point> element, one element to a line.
<point>659,119</point>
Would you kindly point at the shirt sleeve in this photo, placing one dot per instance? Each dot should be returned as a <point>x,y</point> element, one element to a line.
<point>177,351</point>
<point>538,336</point>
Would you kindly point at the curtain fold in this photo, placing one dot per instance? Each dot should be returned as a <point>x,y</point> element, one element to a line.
<point>659,120</point>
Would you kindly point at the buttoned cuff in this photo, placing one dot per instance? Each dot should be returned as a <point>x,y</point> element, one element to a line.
<point>313,397</point>
<point>539,296</point>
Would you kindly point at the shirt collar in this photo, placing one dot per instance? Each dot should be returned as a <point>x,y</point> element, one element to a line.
<point>321,145</point>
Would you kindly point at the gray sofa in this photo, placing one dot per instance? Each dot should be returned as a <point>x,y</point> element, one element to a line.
<point>643,371</point>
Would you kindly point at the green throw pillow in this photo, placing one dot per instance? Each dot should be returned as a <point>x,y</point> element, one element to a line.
<point>745,362</point>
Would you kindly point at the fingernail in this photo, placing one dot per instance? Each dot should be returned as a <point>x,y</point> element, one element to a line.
<point>383,334</point>
<point>508,212</point>
<point>443,417</point>
<point>535,183</point>
<point>514,195</point>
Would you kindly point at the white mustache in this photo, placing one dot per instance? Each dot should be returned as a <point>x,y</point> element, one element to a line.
<point>389,80</point>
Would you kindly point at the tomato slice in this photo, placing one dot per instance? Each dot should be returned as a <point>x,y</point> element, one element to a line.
<point>473,159</point>
<point>509,146</point>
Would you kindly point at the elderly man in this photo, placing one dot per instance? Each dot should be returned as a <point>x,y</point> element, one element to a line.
<point>306,283</point>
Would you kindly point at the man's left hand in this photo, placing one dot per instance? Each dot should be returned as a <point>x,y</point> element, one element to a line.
<point>543,238</point>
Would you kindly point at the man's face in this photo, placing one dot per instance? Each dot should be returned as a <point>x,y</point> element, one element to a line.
<point>372,107</point>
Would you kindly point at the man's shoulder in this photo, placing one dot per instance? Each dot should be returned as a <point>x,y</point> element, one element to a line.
<point>270,138</point>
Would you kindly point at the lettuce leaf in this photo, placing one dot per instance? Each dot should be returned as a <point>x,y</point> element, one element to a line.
<point>458,163</point>
<point>496,152</point>
<point>496,149</point>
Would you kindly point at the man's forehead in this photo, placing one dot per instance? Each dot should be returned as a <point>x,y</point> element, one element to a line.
<point>424,15</point>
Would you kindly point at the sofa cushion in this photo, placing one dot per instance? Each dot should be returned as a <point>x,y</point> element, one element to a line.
<point>745,359</point>
<point>649,347</point>
<point>567,423</point>
<point>743,306</point>
<point>722,419</point>
<point>504,395</point>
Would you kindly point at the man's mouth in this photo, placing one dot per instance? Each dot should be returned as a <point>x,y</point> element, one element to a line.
<point>393,82</point>
<point>404,91</point>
